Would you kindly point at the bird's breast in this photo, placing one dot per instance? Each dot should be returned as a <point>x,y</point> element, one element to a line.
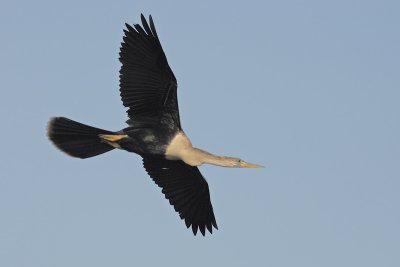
<point>179,146</point>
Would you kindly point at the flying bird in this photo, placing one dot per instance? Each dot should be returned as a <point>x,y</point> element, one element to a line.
<point>148,88</point>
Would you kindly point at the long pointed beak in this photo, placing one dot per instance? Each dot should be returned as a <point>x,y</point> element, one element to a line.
<point>244,164</point>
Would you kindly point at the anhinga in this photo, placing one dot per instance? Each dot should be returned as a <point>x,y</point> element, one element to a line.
<point>149,90</point>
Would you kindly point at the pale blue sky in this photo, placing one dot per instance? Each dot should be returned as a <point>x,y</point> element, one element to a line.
<point>311,89</point>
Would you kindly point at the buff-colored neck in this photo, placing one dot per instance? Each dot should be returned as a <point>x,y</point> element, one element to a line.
<point>198,156</point>
<point>181,148</point>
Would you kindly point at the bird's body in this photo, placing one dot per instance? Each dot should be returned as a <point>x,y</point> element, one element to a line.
<point>152,138</point>
<point>148,88</point>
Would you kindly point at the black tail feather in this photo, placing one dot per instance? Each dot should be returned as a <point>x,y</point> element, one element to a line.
<point>77,139</point>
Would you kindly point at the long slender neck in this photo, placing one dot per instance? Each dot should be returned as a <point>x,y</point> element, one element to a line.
<point>180,148</point>
<point>197,157</point>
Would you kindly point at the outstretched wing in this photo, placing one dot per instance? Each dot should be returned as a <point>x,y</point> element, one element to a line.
<point>185,188</point>
<point>148,86</point>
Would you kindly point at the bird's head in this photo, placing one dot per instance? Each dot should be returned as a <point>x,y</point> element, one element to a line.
<point>239,163</point>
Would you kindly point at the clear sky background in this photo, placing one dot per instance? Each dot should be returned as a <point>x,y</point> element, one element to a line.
<point>310,89</point>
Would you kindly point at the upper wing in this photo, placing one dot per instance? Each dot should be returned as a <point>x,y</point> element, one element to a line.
<point>147,84</point>
<point>185,188</point>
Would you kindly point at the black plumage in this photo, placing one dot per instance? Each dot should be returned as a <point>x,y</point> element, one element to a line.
<point>147,84</point>
<point>148,88</point>
<point>185,188</point>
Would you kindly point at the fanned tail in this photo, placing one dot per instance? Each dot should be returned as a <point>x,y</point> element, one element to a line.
<point>77,139</point>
